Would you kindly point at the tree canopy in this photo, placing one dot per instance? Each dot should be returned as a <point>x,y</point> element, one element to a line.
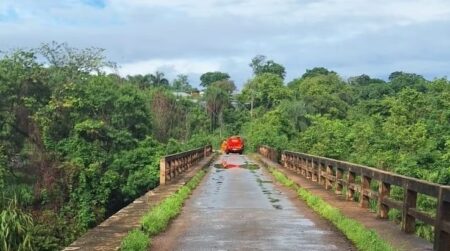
<point>77,144</point>
<point>210,77</point>
<point>261,65</point>
<point>317,71</point>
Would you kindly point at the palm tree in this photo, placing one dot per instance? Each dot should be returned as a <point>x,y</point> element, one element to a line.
<point>142,81</point>
<point>216,101</point>
<point>158,79</point>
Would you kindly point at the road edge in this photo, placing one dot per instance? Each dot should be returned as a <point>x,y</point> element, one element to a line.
<point>158,218</point>
<point>329,212</point>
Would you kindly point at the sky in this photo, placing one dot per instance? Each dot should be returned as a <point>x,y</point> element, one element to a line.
<point>351,37</point>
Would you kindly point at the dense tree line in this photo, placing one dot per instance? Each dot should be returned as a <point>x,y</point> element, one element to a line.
<point>77,144</point>
<point>400,125</point>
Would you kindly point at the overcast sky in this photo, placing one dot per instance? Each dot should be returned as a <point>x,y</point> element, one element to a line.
<point>351,37</point>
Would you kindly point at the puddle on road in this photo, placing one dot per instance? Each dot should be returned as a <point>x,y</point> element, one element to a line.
<point>273,200</point>
<point>260,181</point>
<point>253,168</point>
<point>279,207</point>
<point>250,166</point>
<point>267,192</point>
<point>226,165</point>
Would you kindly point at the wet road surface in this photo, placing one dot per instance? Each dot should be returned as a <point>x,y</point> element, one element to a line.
<point>240,208</point>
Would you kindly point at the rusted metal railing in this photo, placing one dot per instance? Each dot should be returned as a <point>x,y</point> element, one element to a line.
<point>353,178</point>
<point>173,165</point>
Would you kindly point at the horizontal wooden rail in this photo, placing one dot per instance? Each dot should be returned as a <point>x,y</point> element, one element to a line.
<point>337,175</point>
<point>173,165</point>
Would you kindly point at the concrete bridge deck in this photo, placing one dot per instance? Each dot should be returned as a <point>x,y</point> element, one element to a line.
<point>240,208</point>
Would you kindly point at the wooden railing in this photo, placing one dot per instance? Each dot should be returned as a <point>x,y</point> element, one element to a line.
<point>269,153</point>
<point>354,178</point>
<point>175,164</point>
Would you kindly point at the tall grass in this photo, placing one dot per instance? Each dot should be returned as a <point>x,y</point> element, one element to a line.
<point>15,228</point>
<point>135,240</point>
<point>158,218</point>
<point>363,238</point>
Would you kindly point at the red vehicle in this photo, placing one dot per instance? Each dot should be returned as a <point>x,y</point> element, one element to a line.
<point>235,144</point>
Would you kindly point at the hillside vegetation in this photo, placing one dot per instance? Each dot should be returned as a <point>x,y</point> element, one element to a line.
<point>77,144</point>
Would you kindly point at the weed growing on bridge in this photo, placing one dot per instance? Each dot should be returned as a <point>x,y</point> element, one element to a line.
<point>135,240</point>
<point>363,238</point>
<point>158,218</point>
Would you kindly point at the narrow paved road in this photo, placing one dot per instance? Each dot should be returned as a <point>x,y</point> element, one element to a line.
<point>240,208</point>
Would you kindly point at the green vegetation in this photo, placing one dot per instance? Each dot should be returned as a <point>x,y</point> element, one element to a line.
<point>399,125</point>
<point>15,228</point>
<point>260,65</point>
<point>77,144</point>
<point>363,238</point>
<point>211,77</point>
<point>135,240</point>
<point>159,217</point>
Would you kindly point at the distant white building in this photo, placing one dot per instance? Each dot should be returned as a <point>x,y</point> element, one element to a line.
<point>181,94</point>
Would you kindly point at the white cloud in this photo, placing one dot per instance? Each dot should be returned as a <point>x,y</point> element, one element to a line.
<point>183,66</point>
<point>194,36</point>
<point>394,11</point>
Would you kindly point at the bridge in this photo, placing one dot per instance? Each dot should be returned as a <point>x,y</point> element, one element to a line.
<point>272,200</point>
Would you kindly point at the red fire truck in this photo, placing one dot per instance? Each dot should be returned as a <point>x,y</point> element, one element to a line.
<point>235,144</point>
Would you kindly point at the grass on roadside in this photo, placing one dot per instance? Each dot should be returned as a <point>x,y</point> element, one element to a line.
<point>135,240</point>
<point>158,218</point>
<point>363,238</point>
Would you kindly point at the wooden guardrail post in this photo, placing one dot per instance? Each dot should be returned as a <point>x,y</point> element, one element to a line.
<point>314,171</point>
<point>304,163</point>
<point>320,173</point>
<point>162,171</point>
<point>442,223</point>
<point>364,197</point>
<point>409,201</point>
<point>351,178</point>
<point>291,162</point>
<point>328,182</point>
<point>301,165</point>
<point>283,159</point>
<point>339,175</point>
<point>309,167</point>
<point>384,191</point>
<point>295,166</point>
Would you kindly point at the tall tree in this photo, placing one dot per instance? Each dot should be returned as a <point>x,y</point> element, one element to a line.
<point>181,83</point>
<point>211,77</point>
<point>216,100</point>
<point>158,79</point>
<point>369,88</point>
<point>142,81</point>
<point>400,80</point>
<point>364,80</point>
<point>326,94</point>
<point>265,90</point>
<point>317,71</point>
<point>260,65</point>
<point>226,85</point>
